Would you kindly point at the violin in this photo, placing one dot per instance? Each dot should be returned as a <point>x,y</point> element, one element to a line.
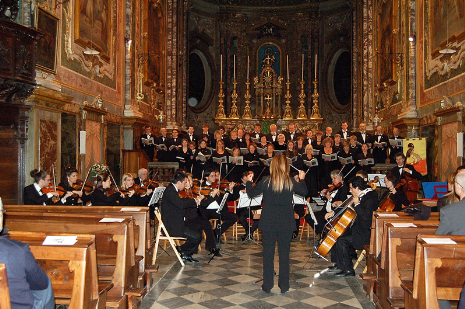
<point>51,189</point>
<point>334,187</point>
<point>86,187</point>
<point>187,194</point>
<point>372,183</point>
<point>150,184</point>
<point>205,190</point>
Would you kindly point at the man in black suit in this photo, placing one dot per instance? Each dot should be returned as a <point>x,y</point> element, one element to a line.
<point>205,135</point>
<point>273,135</point>
<point>257,133</point>
<point>209,206</point>
<point>175,141</point>
<point>380,146</point>
<point>241,138</point>
<point>292,134</point>
<point>329,133</point>
<point>395,149</point>
<point>309,138</point>
<point>404,168</point>
<point>143,175</point>
<point>363,137</point>
<point>345,133</point>
<point>365,201</point>
<point>147,142</point>
<point>173,210</point>
<point>163,155</point>
<point>190,135</point>
<point>224,136</point>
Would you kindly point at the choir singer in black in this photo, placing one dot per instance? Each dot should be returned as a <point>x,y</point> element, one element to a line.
<point>277,219</point>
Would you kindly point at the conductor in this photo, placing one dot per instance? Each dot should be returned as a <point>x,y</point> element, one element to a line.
<point>277,219</point>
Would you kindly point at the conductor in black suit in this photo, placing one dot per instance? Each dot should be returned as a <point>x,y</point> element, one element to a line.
<point>173,209</point>
<point>277,219</point>
<point>404,168</point>
<point>147,141</point>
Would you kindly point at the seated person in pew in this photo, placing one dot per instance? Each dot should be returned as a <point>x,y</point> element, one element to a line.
<point>173,211</point>
<point>451,196</point>
<point>365,201</point>
<point>397,196</point>
<point>141,196</point>
<point>335,195</point>
<point>195,221</point>
<point>102,196</point>
<point>68,183</point>
<point>29,285</point>
<point>39,193</point>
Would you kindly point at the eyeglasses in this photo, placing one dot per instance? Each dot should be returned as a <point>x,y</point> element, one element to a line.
<point>458,184</point>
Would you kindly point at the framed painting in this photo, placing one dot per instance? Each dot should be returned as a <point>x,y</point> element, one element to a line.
<point>386,45</point>
<point>92,25</point>
<point>46,50</point>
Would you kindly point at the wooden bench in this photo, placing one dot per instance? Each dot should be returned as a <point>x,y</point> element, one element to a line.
<point>397,260</point>
<point>4,291</point>
<point>141,215</point>
<point>373,250</point>
<point>72,269</point>
<point>439,272</point>
<point>116,258</point>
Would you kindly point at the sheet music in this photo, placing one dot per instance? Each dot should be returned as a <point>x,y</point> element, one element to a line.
<point>214,205</point>
<point>130,209</point>
<point>245,201</point>
<point>387,215</point>
<point>156,195</point>
<point>111,220</point>
<point>439,241</point>
<point>400,224</point>
<point>59,241</point>
<point>297,199</point>
<point>223,202</point>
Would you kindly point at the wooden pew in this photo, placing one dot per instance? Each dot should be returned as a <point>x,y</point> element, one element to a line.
<point>439,272</point>
<point>397,260</point>
<point>144,244</point>
<point>72,269</point>
<point>116,258</point>
<point>374,248</point>
<point>4,291</point>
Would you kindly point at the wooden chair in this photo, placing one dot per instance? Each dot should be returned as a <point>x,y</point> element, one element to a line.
<point>4,291</point>
<point>160,236</point>
<point>213,223</point>
<point>361,256</point>
<point>304,226</point>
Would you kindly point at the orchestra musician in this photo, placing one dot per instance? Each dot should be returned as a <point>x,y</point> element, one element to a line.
<point>398,197</point>
<point>365,201</point>
<point>173,212</point>
<point>99,196</point>
<point>211,203</point>
<point>136,199</point>
<point>143,176</point>
<point>70,177</point>
<point>277,218</point>
<point>243,212</point>
<point>147,141</point>
<point>335,195</point>
<point>33,194</point>
<point>404,168</point>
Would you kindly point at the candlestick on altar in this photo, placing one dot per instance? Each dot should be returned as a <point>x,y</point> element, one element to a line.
<point>234,68</point>
<point>247,110</point>
<point>287,60</point>
<point>287,110</point>
<point>221,66</point>
<point>234,110</point>
<point>316,63</point>
<point>220,113</point>
<point>303,66</point>
<point>301,113</point>
<point>315,97</point>
<point>248,67</point>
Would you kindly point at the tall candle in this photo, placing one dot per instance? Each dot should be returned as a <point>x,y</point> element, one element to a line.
<point>316,63</point>
<point>303,66</point>
<point>287,67</point>
<point>248,67</point>
<point>221,66</point>
<point>234,68</point>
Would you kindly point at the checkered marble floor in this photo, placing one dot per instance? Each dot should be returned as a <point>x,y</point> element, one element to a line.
<point>229,281</point>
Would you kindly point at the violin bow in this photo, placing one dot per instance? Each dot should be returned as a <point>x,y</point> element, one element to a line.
<point>116,185</point>
<point>349,171</point>
<point>85,180</point>
<point>54,177</point>
<point>200,184</point>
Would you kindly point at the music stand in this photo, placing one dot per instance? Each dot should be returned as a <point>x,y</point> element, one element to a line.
<point>243,200</point>
<point>218,225</point>
<point>315,247</point>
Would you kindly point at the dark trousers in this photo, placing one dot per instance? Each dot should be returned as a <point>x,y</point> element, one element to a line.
<point>194,237</point>
<point>300,210</point>
<point>200,223</point>
<point>284,244</point>
<point>342,253</point>
<point>243,214</point>
<point>228,218</point>
<point>320,218</point>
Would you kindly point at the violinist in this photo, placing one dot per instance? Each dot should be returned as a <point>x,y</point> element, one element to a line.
<point>335,194</point>
<point>143,176</point>
<point>100,198</point>
<point>403,168</point>
<point>69,183</point>
<point>34,193</point>
<point>243,212</point>
<point>395,195</point>
<point>365,201</point>
<point>140,198</point>
<point>211,203</point>
<point>194,220</point>
<point>183,155</point>
<point>363,155</point>
<point>311,171</point>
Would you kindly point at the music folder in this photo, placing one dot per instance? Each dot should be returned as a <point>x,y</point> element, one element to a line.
<point>237,160</point>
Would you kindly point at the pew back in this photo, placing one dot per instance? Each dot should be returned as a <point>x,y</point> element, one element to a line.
<point>4,291</point>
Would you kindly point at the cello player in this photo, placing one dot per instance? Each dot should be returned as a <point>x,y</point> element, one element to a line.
<point>365,201</point>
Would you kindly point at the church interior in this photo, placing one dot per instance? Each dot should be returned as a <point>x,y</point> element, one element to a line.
<point>80,80</point>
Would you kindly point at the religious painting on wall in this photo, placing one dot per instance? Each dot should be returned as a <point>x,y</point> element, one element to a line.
<point>93,144</point>
<point>155,35</point>
<point>448,150</point>
<point>386,45</point>
<point>93,25</point>
<point>48,144</point>
<point>447,23</point>
<point>272,51</point>
<point>46,47</point>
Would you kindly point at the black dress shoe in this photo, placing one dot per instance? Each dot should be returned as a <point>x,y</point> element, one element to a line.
<point>334,267</point>
<point>266,290</point>
<point>215,252</point>
<point>345,273</point>
<point>189,258</point>
<point>244,237</point>
<point>179,249</point>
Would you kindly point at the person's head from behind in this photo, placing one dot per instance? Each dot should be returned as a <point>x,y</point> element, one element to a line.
<point>279,173</point>
<point>363,174</point>
<point>102,181</point>
<point>179,180</point>
<point>41,178</point>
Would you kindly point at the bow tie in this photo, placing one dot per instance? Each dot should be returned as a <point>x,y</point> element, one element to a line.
<point>363,133</point>
<point>401,167</point>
